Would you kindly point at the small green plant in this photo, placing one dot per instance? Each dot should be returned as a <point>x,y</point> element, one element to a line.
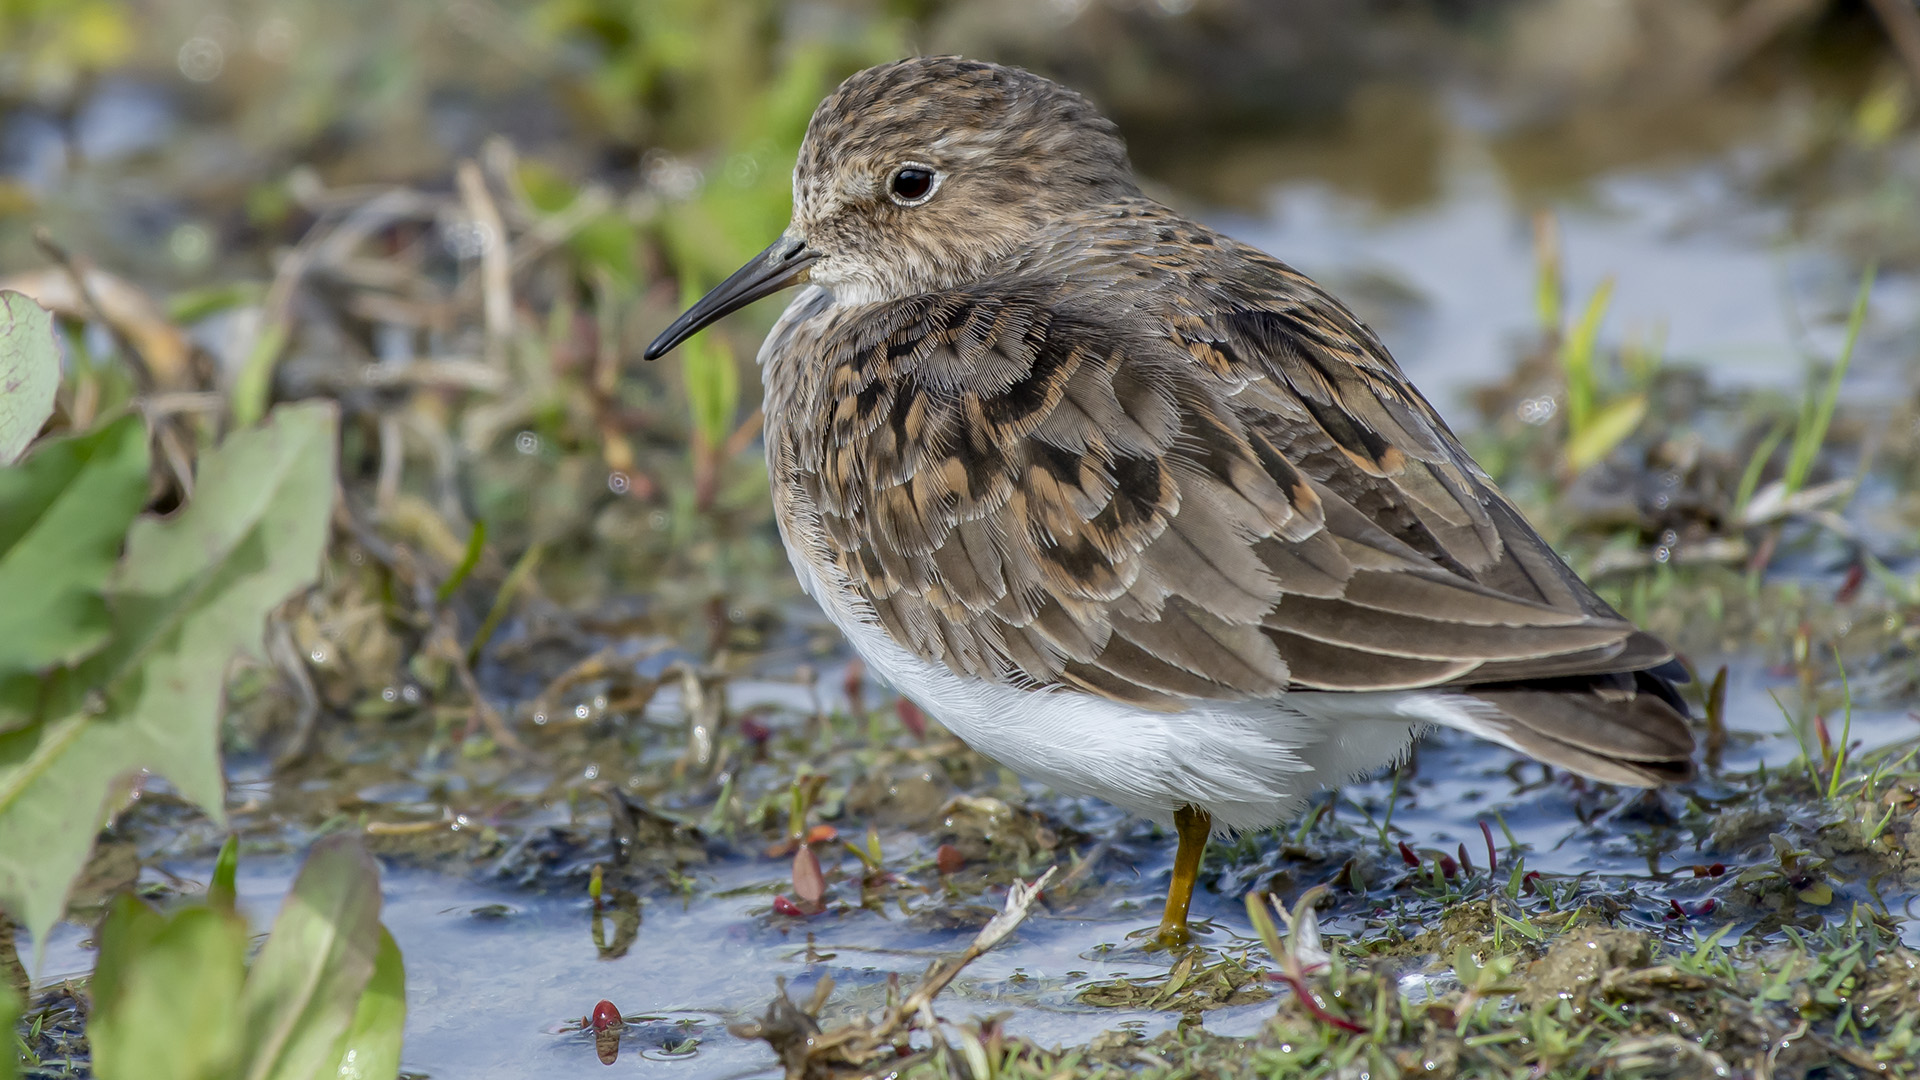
<point>117,630</point>
<point>116,633</point>
<point>1809,427</point>
<point>1597,421</point>
<point>174,995</point>
<point>1816,412</point>
<point>55,43</point>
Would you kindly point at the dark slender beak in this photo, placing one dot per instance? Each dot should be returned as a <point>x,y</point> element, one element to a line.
<point>783,264</point>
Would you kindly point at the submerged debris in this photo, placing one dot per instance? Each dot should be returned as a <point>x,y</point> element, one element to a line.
<point>809,1052</point>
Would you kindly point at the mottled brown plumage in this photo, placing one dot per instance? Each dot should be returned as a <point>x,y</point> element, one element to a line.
<point>1048,434</point>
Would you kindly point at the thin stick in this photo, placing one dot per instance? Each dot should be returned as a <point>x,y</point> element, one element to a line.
<point>77,269</point>
<point>496,259</point>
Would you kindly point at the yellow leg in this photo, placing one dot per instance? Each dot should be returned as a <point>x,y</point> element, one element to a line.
<point>1194,826</point>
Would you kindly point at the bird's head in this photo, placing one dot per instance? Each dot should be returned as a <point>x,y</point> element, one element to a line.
<point>924,174</point>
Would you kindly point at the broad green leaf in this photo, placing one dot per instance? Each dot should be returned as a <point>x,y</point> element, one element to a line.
<point>302,995</point>
<point>63,518</point>
<point>371,1048</point>
<point>29,373</point>
<point>130,926</point>
<point>191,591</point>
<point>166,994</point>
<point>1605,431</point>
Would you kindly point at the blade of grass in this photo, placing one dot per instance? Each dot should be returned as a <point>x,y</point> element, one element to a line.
<point>476,542</point>
<point>222,891</point>
<point>1386,822</point>
<point>1750,479</point>
<point>1846,730</point>
<point>516,578</point>
<point>1817,414</point>
<point>1576,359</point>
<point>1800,738</point>
<point>1546,279</point>
<point>1590,445</point>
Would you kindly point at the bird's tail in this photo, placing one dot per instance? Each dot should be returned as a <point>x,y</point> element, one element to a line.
<point>1622,728</point>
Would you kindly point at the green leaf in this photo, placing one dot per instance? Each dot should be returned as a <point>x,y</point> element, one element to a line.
<point>305,988</point>
<point>191,591</point>
<point>166,994</point>
<point>1576,358</point>
<point>1816,413</point>
<point>9,1019</point>
<point>29,373</point>
<point>476,544</point>
<point>253,387</point>
<point>223,891</point>
<point>1750,478</point>
<point>63,517</point>
<point>371,1048</point>
<point>1608,428</point>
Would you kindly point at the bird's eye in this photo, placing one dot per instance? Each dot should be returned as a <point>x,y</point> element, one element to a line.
<point>911,185</point>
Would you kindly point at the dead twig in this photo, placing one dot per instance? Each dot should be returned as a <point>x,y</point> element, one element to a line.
<point>808,1053</point>
<point>444,643</point>
<point>292,667</point>
<point>158,358</point>
<point>604,664</point>
<point>496,260</point>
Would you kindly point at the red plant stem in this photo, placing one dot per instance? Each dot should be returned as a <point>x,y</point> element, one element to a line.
<point>1493,861</point>
<point>1304,997</point>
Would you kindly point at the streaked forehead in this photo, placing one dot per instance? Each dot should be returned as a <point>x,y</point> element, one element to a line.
<point>946,111</point>
<point>920,102</point>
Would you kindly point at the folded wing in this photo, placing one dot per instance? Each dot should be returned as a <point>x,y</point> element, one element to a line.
<point>1227,501</point>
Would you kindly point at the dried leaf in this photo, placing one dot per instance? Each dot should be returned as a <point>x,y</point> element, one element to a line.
<point>809,884</point>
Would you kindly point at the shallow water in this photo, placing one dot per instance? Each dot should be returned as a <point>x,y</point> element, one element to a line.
<point>1450,286</point>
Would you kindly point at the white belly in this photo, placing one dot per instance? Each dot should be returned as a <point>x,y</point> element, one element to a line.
<point>1249,764</point>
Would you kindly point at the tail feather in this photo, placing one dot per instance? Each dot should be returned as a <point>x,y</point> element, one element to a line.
<point>1623,728</point>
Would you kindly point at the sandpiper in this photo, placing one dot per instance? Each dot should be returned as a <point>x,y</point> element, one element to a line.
<point>1135,509</point>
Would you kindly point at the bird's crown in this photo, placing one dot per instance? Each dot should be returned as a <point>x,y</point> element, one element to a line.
<point>923,173</point>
